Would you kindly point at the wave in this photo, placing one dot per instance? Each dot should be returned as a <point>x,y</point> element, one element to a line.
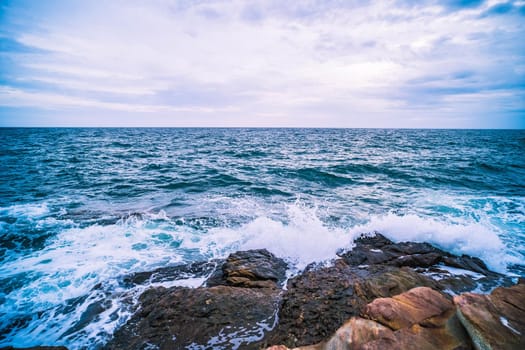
<point>472,238</point>
<point>73,281</point>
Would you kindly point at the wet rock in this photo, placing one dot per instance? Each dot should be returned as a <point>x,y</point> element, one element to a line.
<point>407,309</point>
<point>495,321</point>
<point>250,269</point>
<point>356,332</point>
<point>237,306</point>
<point>171,273</point>
<point>472,273</point>
<point>220,316</point>
<point>467,263</point>
<point>462,281</point>
<point>317,302</point>
<point>401,322</point>
<point>380,250</point>
<point>240,300</point>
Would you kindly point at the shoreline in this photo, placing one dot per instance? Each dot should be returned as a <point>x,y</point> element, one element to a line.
<point>248,302</point>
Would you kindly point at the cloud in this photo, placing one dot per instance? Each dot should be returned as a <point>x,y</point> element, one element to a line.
<point>13,97</point>
<point>312,63</point>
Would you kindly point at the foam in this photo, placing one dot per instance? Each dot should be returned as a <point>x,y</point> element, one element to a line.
<point>471,238</point>
<point>302,239</point>
<point>30,210</point>
<point>79,258</point>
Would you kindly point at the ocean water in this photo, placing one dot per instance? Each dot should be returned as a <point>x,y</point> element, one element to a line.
<point>80,208</point>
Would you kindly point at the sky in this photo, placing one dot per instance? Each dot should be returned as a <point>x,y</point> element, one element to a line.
<point>327,63</point>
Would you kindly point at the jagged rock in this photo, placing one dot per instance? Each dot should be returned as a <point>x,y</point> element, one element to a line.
<point>406,309</point>
<point>237,307</point>
<point>403,322</point>
<point>495,321</point>
<point>378,249</point>
<point>467,263</point>
<point>171,273</point>
<point>356,332</point>
<point>241,299</point>
<point>317,302</point>
<point>218,316</point>
<point>250,269</point>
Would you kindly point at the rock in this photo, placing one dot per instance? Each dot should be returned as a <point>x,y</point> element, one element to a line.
<point>385,282</point>
<point>380,250</point>
<point>467,263</point>
<point>473,273</point>
<point>357,332</point>
<point>462,281</point>
<point>495,321</point>
<point>237,306</point>
<point>317,302</point>
<point>240,300</point>
<point>407,309</point>
<point>250,269</point>
<point>420,318</point>
<point>171,273</point>
<point>403,322</point>
<point>277,347</point>
<point>220,316</point>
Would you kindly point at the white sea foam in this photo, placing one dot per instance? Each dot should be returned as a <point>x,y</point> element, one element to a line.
<point>470,238</point>
<point>303,238</point>
<point>26,210</point>
<point>79,258</point>
<point>506,323</point>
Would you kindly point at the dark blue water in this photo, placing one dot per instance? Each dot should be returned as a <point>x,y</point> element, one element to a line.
<point>81,207</point>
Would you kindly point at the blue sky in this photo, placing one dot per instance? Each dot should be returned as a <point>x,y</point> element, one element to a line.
<point>408,63</point>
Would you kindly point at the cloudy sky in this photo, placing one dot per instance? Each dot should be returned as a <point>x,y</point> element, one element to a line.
<point>327,63</point>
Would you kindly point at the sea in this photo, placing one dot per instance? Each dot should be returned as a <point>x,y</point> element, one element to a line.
<point>82,207</point>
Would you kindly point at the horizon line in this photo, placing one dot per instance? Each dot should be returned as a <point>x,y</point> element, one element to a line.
<point>248,127</point>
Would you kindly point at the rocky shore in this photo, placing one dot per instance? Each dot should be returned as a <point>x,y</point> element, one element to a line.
<point>379,295</point>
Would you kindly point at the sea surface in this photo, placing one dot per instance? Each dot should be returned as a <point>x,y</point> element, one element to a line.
<point>80,208</point>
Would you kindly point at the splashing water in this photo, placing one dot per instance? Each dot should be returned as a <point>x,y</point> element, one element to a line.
<point>83,208</point>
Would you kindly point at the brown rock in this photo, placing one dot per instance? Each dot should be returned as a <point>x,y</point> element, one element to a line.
<point>250,269</point>
<point>425,258</point>
<point>495,321</point>
<point>357,332</point>
<point>170,273</point>
<point>380,250</point>
<point>220,316</point>
<point>409,325</point>
<point>244,292</point>
<point>407,309</point>
<point>317,302</point>
<point>422,318</point>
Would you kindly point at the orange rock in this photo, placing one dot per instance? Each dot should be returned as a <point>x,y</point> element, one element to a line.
<point>495,321</point>
<point>357,332</point>
<point>419,319</point>
<point>406,309</point>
